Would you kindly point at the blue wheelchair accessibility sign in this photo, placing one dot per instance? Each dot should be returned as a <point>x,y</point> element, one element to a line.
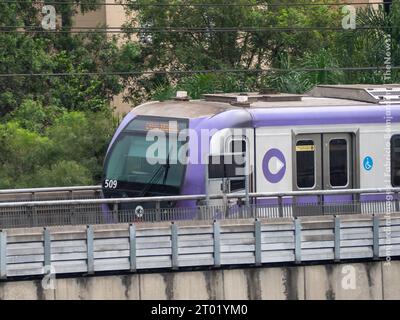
<point>368,163</point>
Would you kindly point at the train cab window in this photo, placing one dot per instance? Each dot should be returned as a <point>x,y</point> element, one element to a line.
<point>230,165</point>
<point>395,160</point>
<point>305,163</point>
<point>338,160</point>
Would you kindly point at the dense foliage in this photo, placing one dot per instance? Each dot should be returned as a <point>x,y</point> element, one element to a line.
<point>55,130</point>
<point>315,48</point>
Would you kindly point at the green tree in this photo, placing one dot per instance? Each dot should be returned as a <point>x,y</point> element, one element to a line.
<point>63,173</point>
<point>21,153</point>
<point>224,50</point>
<point>55,130</point>
<point>40,52</point>
<point>82,138</point>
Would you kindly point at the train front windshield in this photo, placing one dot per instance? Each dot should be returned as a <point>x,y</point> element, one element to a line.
<point>141,164</point>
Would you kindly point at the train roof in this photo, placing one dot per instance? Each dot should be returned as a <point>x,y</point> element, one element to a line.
<point>322,96</point>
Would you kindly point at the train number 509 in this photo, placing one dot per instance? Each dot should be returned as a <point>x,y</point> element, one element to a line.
<point>110,184</point>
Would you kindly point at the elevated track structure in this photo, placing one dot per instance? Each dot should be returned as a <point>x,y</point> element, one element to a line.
<point>97,210</point>
<point>88,236</point>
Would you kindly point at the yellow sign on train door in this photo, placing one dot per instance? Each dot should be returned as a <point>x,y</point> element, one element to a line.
<point>309,147</point>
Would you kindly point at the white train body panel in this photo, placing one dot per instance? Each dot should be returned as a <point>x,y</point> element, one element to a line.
<point>373,140</point>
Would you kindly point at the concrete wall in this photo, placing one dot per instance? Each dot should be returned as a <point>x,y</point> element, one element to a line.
<point>371,280</point>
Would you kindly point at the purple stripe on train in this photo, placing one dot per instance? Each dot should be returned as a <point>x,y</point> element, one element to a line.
<point>378,197</point>
<point>128,118</point>
<point>322,115</point>
<point>273,201</point>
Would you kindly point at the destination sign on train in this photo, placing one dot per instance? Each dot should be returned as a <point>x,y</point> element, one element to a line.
<point>170,126</point>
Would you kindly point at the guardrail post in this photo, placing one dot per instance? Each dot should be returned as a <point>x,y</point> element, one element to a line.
<point>357,201</point>
<point>217,243</point>
<point>257,242</point>
<point>35,218</point>
<point>247,184</point>
<point>132,247</point>
<point>72,213</point>
<point>47,247</point>
<point>206,182</point>
<point>337,238</point>
<point>225,203</point>
<point>3,254</point>
<point>158,211</point>
<point>115,212</point>
<point>90,249</point>
<point>97,194</point>
<point>174,245</point>
<point>375,240</point>
<point>320,204</point>
<point>280,208</point>
<point>297,240</point>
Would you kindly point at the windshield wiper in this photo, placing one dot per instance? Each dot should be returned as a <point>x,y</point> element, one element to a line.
<point>156,176</point>
<point>167,166</point>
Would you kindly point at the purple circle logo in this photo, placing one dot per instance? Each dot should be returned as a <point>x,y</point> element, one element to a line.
<point>274,165</point>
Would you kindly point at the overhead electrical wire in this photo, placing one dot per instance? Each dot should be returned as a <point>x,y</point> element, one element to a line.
<point>126,30</point>
<point>36,29</point>
<point>261,3</point>
<point>185,72</point>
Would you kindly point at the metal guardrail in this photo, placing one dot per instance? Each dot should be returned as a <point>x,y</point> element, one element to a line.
<point>197,207</point>
<point>317,193</point>
<point>53,193</point>
<point>134,247</point>
<point>50,189</point>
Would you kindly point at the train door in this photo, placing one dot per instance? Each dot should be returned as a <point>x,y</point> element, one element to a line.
<point>229,161</point>
<point>323,162</point>
<point>226,172</point>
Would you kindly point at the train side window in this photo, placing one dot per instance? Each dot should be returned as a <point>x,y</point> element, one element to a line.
<point>305,163</point>
<point>238,146</point>
<point>338,160</point>
<point>395,160</point>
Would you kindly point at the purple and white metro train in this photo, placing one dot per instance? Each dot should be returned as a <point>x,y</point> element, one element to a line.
<point>334,137</point>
